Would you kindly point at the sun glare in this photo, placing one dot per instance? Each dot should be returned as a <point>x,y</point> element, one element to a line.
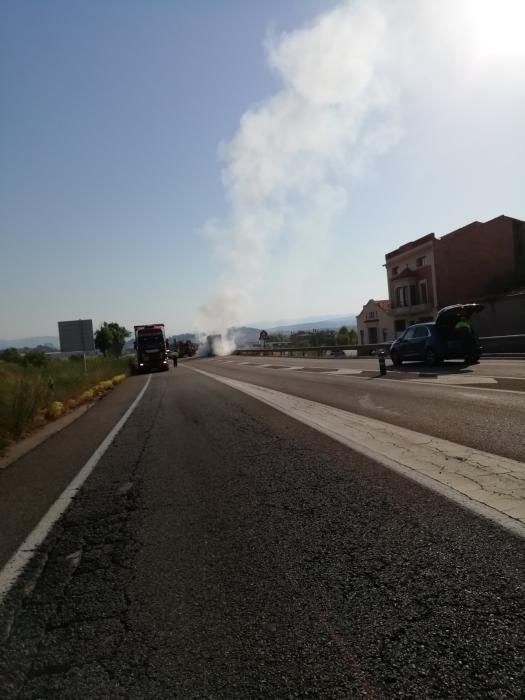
<point>497,28</point>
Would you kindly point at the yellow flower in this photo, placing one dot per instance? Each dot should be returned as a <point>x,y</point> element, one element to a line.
<point>55,409</point>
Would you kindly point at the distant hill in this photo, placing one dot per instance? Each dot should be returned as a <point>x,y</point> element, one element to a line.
<point>249,335</point>
<point>242,335</point>
<point>330,323</point>
<point>50,341</point>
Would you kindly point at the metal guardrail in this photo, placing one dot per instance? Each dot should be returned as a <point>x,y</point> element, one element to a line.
<point>503,344</point>
<point>319,351</point>
<point>492,345</point>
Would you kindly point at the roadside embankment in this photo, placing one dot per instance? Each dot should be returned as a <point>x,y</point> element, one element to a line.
<point>32,396</point>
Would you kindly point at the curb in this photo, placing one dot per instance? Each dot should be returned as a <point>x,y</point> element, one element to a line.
<point>20,449</point>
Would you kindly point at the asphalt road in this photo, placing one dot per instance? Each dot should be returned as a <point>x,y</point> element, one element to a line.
<point>486,416</point>
<point>223,550</point>
<point>487,366</point>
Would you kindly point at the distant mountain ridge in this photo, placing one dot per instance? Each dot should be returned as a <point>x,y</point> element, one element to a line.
<point>324,324</point>
<point>241,334</point>
<point>250,334</point>
<point>50,340</point>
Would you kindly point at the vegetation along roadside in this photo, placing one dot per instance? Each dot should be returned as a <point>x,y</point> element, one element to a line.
<point>35,388</point>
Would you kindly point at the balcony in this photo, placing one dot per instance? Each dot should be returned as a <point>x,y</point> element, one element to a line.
<point>414,310</point>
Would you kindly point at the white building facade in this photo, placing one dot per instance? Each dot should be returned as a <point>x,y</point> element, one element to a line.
<point>374,323</point>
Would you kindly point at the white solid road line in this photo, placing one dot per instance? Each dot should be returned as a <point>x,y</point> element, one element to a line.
<point>457,379</point>
<point>15,565</point>
<point>488,484</point>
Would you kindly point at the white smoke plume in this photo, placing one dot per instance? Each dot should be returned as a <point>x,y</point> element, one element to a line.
<point>288,171</point>
<point>288,167</point>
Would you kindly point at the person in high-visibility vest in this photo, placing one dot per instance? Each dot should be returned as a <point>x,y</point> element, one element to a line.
<point>462,323</point>
<point>465,335</point>
<point>174,357</point>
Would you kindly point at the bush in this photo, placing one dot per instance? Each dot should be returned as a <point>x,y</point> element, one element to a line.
<point>55,409</point>
<point>36,358</point>
<point>11,355</point>
<point>21,396</point>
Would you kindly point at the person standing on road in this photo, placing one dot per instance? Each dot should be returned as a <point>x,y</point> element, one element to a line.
<point>465,336</point>
<point>174,357</point>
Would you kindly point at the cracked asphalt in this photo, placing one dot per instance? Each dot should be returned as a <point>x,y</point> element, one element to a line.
<point>222,550</point>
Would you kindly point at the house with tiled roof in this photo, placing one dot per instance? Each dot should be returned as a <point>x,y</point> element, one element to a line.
<point>374,323</point>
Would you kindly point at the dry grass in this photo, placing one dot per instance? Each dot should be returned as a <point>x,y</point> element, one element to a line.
<point>28,393</point>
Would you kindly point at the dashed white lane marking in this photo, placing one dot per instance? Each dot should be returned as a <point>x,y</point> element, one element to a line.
<point>15,565</point>
<point>292,369</point>
<point>488,484</point>
<point>457,379</point>
<point>345,371</point>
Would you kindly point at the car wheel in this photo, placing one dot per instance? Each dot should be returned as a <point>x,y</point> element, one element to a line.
<point>431,358</point>
<point>472,359</point>
<point>396,360</point>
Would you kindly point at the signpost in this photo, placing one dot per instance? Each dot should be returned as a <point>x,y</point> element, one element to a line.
<point>263,335</point>
<point>77,336</point>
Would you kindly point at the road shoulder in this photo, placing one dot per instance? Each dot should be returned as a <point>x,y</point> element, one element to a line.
<point>30,486</point>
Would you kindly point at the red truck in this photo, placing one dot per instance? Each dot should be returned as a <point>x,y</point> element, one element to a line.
<point>186,348</point>
<point>151,348</point>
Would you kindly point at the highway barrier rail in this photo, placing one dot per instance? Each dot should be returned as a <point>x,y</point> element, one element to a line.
<point>497,345</point>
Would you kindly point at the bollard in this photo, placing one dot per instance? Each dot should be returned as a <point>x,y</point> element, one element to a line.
<point>382,363</point>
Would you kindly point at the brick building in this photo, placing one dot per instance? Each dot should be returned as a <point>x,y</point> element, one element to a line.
<point>474,262</point>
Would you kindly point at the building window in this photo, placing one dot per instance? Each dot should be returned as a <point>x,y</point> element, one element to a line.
<point>362,337</point>
<point>385,335</point>
<point>423,292</point>
<point>406,296</point>
<point>421,261</point>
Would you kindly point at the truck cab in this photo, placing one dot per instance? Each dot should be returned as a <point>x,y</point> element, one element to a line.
<point>151,348</point>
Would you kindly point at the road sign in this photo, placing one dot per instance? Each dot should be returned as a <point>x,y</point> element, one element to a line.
<point>76,336</point>
<point>263,335</point>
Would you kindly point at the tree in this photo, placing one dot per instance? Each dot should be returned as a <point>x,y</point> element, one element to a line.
<point>110,338</point>
<point>11,355</point>
<point>118,338</point>
<point>103,339</point>
<point>352,336</point>
<point>36,358</point>
<point>343,336</point>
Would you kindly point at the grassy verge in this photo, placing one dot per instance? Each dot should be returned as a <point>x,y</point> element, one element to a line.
<point>29,395</point>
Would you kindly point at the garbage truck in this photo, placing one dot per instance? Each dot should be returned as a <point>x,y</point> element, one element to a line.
<point>151,348</point>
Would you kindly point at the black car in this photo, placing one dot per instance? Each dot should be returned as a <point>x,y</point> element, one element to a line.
<point>439,340</point>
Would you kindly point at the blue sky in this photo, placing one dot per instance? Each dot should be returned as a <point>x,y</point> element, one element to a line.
<point>342,137</point>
